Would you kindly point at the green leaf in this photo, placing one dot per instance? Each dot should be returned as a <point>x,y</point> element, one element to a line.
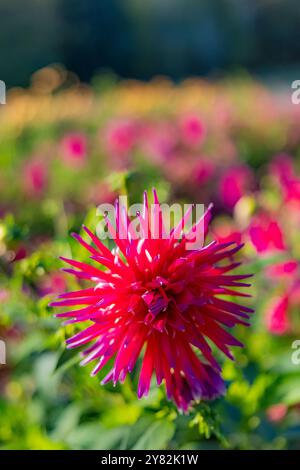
<point>157,436</point>
<point>66,360</point>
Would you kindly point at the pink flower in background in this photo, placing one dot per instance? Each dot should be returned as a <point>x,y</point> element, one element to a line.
<point>74,149</point>
<point>53,284</point>
<point>120,137</point>
<point>286,269</point>
<point>234,184</point>
<point>35,177</point>
<point>226,232</point>
<point>294,292</point>
<point>277,412</point>
<point>204,170</point>
<point>282,168</point>
<point>266,234</point>
<point>158,141</point>
<point>100,192</point>
<point>192,130</point>
<point>277,319</point>
<point>293,191</point>
<point>19,253</point>
<point>4,295</point>
<point>159,299</point>
<point>179,170</point>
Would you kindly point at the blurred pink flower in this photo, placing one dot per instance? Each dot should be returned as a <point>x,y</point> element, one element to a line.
<point>294,292</point>
<point>158,141</point>
<point>292,191</point>
<point>19,253</point>
<point>53,284</point>
<point>120,137</point>
<point>278,313</point>
<point>4,295</point>
<point>192,130</point>
<point>285,269</point>
<point>266,234</point>
<point>282,168</point>
<point>277,412</point>
<point>234,183</point>
<point>277,320</point>
<point>74,149</point>
<point>35,177</point>
<point>100,192</point>
<point>225,232</point>
<point>179,169</point>
<point>204,170</point>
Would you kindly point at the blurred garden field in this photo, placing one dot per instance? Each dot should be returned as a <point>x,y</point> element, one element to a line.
<point>65,148</point>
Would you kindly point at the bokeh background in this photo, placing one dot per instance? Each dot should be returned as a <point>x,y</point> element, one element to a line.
<point>114,97</point>
<point>142,39</point>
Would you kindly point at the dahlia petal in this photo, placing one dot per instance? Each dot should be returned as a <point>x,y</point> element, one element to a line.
<point>75,294</point>
<point>85,313</point>
<point>107,378</point>
<point>84,243</point>
<point>146,372</point>
<point>222,317</point>
<point>232,307</point>
<point>72,302</point>
<point>133,338</point>
<point>101,247</point>
<point>103,360</point>
<point>93,355</point>
<point>85,268</point>
<point>83,337</point>
<point>178,230</point>
<point>202,224</point>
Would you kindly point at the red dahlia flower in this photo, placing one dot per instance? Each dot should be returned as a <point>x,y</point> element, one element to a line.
<point>159,299</point>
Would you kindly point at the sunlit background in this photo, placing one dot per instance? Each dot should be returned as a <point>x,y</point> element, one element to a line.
<point>112,97</point>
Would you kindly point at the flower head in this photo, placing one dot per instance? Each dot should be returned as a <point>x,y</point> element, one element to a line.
<point>74,148</point>
<point>204,170</point>
<point>277,320</point>
<point>35,177</point>
<point>120,137</point>
<point>192,130</point>
<point>159,299</point>
<point>283,171</point>
<point>266,234</point>
<point>234,184</point>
